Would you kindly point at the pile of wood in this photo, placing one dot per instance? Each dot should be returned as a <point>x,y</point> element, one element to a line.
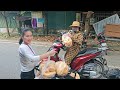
<point>112,30</point>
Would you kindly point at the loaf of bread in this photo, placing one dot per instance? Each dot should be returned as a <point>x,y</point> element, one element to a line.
<point>73,75</point>
<point>61,68</point>
<point>48,69</point>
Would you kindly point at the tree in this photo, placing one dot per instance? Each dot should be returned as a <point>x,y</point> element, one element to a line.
<point>87,21</point>
<point>5,17</point>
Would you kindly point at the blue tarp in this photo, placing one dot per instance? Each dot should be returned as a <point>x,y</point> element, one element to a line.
<point>41,20</point>
<point>99,26</point>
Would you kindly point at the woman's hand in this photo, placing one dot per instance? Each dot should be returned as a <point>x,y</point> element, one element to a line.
<point>46,55</point>
<point>69,34</point>
<point>52,52</point>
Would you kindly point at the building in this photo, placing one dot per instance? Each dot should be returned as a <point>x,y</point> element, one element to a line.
<point>8,21</point>
<point>48,22</point>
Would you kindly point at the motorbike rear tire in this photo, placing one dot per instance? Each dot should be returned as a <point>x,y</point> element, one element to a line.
<point>101,67</point>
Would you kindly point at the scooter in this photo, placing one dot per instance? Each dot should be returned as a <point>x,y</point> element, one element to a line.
<point>102,43</point>
<point>84,42</point>
<point>88,63</point>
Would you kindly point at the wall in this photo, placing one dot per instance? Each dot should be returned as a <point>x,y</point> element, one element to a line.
<point>57,20</point>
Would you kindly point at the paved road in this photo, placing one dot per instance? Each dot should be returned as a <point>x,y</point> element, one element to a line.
<point>10,65</point>
<point>9,62</point>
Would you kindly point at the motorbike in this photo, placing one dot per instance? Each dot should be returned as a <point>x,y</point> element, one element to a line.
<point>102,43</point>
<point>84,42</point>
<point>88,63</point>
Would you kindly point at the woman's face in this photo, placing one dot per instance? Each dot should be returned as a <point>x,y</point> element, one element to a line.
<point>27,38</point>
<point>75,28</point>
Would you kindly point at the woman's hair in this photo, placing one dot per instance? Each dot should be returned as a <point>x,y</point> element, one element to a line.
<point>22,35</point>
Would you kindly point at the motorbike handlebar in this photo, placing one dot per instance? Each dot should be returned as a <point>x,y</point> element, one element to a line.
<point>56,46</point>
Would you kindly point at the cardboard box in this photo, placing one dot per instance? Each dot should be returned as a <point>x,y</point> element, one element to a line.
<point>112,30</point>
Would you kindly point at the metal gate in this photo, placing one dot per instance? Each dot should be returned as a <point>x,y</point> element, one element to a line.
<point>100,15</point>
<point>59,20</point>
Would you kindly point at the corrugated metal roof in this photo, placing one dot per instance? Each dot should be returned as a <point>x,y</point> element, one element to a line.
<point>23,18</point>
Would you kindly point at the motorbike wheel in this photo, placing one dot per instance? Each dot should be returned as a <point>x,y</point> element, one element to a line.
<point>105,52</point>
<point>95,66</point>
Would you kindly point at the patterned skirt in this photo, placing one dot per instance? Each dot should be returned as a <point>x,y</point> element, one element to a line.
<point>71,53</point>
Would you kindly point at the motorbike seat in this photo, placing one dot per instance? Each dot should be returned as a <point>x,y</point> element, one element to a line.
<point>87,51</point>
<point>82,52</point>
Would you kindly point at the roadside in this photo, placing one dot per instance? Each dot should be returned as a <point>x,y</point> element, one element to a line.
<point>38,40</point>
<point>48,40</point>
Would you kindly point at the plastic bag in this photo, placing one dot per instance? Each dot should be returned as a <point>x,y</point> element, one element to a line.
<point>48,69</point>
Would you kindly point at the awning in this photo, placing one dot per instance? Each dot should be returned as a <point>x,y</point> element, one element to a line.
<point>23,18</point>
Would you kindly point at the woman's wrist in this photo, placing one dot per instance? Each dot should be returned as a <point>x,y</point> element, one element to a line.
<point>48,54</point>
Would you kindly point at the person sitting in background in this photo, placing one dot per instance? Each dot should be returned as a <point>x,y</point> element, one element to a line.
<point>77,39</point>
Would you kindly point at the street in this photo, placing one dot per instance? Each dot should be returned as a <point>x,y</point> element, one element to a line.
<point>10,65</point>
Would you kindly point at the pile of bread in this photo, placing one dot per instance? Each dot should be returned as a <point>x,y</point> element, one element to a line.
<point>48,69</point>
<point>66,39</point>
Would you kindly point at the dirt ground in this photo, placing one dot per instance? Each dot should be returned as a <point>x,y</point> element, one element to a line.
<point>113,45</point>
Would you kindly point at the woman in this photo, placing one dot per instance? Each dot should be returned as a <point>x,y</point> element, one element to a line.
<point>77,39</point>
<point>28,58</point>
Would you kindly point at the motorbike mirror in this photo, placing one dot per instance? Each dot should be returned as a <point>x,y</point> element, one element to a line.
<point>63,32</point>
<point>72,31</point>
<point>85,31</point>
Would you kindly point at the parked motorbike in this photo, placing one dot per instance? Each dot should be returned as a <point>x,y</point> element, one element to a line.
<point>102,43</point>
<point>89,62</point>
<point>84,42</point>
